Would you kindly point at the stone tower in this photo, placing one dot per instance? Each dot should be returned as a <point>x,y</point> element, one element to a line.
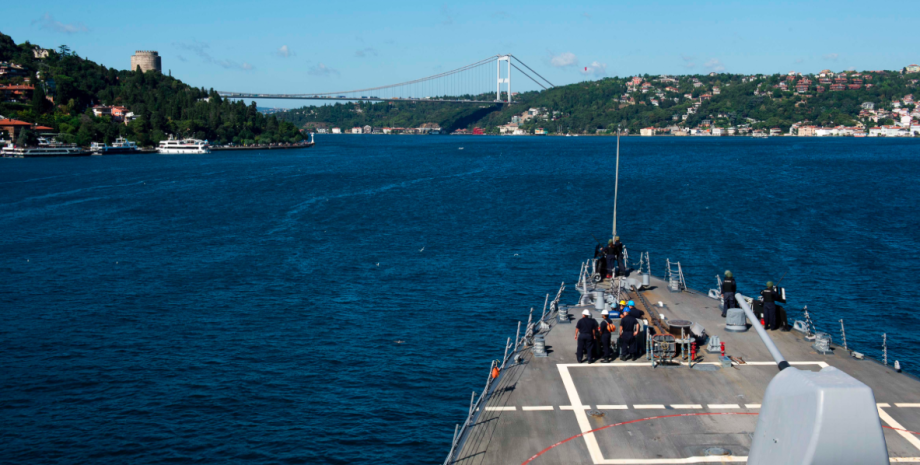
<point>147,60</point>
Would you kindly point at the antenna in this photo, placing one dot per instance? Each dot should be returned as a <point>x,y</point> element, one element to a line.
<point>616,185</point>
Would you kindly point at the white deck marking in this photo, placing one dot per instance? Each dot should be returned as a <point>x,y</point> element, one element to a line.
<point>590,440</point>
<point>649,364</point>
<point>648,406</point>
<point>573,407</point>
<point>500,409</point>
<point>882,405</point>
<point>612,407</point>
<point>894,424</point>
<point>686,406</point>
<point>722,459</point>
<point>751,405</point>
<point>903,405</point>
<point>723,406</point>
<point>904,459</point>
<point>532,408</point>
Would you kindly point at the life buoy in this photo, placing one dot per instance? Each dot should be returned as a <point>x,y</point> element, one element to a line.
<point>495,372</point>
<point>596,277</point>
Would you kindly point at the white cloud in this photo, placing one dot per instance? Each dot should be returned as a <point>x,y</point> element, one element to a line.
<point>832,56</point>
<point>47,22</point>
<point>564,59</point>
<point>595,69</point>
<point>715,65</point>
<point>369,51</point>
<point>321,69</point>
<point>284,52</point>
<point>201,49</point>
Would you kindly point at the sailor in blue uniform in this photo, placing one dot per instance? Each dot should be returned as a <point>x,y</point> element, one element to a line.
<point>629,329</point>
<point>607,330</point>
<point>768,296</point>
<point>728,292</point>
<point>585,331</point>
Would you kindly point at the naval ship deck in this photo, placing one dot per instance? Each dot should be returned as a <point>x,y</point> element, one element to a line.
<point>553,410</point>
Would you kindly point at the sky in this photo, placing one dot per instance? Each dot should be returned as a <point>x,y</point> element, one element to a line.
<point>308,46</point>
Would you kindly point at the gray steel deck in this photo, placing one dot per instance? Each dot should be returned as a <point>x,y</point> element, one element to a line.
<point>544,401</point>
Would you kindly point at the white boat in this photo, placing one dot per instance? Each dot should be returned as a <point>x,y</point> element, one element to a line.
<point>121,145</point>
<point>45,148</point>
<point>183,146</point>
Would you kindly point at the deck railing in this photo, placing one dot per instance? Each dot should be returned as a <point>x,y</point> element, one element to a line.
<point>511,351</point>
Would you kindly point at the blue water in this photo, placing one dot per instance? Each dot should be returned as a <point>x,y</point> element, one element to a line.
<point>243,307</point>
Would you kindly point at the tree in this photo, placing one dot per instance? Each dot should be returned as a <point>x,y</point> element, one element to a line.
<point>39,102</point>
<point>27,138</point>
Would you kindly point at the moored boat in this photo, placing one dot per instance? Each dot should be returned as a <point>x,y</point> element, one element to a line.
<point>174,146</point>
<point>121,145</point>
<point>45,148</point>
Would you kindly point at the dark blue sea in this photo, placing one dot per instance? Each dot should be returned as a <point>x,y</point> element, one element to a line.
<point>244,307</point>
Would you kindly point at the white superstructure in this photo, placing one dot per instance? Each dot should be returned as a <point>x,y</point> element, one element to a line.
<point>45,148</point>
<point>180,146</point>
<point>121,145</point>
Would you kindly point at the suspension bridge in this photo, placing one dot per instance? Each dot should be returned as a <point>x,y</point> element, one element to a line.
<point>474,83</point>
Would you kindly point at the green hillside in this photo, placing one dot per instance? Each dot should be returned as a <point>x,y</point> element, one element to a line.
<point>162,104</point>
<point>585,107</point>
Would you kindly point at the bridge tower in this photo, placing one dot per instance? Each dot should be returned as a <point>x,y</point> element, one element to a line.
<point>507,80</point>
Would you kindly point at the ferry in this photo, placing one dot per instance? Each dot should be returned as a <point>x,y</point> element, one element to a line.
<point>183,146</point>
<point>45,148</point>
<point>121,145</point>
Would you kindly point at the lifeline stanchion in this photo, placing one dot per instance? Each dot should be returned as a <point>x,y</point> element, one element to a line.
<point>517,337</point>
<point>844,334</point>
<point>507,345</point>
<point>545,302</point>
<point>885,348</point>
<point>472,399</point>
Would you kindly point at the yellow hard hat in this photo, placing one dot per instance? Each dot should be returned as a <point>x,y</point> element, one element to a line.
<point>622,302</point>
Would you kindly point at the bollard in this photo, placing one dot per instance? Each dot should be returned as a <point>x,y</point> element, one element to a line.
<point>723,348</point>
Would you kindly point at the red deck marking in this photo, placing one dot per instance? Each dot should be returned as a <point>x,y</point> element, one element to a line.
<point>659,418</point>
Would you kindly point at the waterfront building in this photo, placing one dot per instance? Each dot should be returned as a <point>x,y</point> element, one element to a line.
<point>650,131</point>
<point>806,131</point>
<point>16,93</point>
<point>336,131</point>
<point>13,127</point>
<point>10,70</point>
<point>148,60</point>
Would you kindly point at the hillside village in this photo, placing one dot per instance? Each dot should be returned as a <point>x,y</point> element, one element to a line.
<point>846,103</point>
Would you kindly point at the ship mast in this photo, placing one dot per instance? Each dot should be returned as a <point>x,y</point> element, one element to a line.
<point>616,186</point>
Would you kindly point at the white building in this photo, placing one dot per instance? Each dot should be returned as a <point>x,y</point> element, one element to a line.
<point>336,131</point>
<point>894,131</point>
<point>647,132</point>
<point>356,130</point>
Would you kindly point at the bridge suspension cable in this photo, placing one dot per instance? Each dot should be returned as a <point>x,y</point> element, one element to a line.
<point>480,82</point>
